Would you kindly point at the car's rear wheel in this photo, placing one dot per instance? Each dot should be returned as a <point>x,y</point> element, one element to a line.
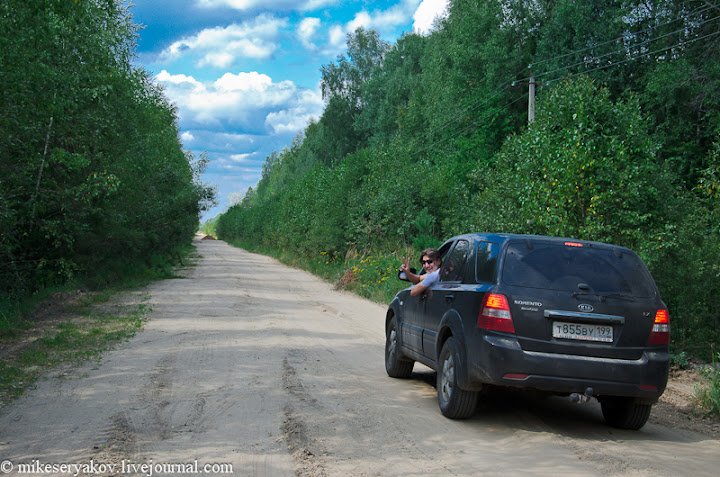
<point>624,412</point>
<point>455,403</point>
<point>395,366</point>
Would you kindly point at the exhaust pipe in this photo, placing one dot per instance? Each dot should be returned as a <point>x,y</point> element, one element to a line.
<point>582,398</point>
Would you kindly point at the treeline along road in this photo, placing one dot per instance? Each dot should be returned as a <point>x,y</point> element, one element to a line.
<point>250,367</point>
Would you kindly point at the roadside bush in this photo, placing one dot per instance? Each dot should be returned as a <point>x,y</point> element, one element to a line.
<point>680,359</point>
<point>708,391</point>
<point>685,262</point>
<point>686,268</point>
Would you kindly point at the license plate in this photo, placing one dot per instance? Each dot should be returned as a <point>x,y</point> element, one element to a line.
<point>580,331</point>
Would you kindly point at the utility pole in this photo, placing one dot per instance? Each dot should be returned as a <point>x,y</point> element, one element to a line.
<point>531,99</point>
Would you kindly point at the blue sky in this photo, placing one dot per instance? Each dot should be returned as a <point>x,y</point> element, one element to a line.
<point>244,74</point>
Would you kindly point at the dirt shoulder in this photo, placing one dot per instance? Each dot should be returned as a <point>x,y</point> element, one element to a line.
<point>678,408</point>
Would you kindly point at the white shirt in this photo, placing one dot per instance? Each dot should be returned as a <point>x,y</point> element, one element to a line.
<point>431,278</point>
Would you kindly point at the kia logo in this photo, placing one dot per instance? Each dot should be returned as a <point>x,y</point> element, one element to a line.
<point>585,308</point>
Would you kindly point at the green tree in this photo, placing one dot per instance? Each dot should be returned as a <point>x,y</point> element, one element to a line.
<point>680,88</point>
<point>585,168</point>
<point>468,70</point>
<point>389,92</point>
<point>342,84</point>
<point>94,175</point>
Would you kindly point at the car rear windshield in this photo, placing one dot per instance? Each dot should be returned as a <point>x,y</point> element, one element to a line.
<point>575,268</point>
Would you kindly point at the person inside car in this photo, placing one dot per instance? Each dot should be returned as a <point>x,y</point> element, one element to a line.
<point>431,263</point>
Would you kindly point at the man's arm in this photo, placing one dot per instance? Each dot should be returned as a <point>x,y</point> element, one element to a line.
<point>414,278</point>
<point>426,283</point>
<point>418,289</point>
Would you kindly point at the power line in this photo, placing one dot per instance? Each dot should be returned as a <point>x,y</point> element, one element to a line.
<point>472,125</point>
<point>640,56</point>
<point>624,36</point>
<point>457,117</point>
<point>625,49</point>
<point>485,99</point>
<point>506,85</point>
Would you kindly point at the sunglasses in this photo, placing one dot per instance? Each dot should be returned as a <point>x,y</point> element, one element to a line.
<point>427,261</point>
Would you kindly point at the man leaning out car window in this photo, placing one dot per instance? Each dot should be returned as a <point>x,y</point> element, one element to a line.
<point>431,263</point>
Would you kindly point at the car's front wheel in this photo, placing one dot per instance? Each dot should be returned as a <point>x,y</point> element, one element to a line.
<point>395,366</point>
<point>455,403</point>
<point>624,412</point>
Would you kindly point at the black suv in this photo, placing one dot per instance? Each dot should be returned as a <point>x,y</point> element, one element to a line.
<point>558,315</point>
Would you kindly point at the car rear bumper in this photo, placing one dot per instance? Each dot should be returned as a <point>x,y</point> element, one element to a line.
<point>500,360</point>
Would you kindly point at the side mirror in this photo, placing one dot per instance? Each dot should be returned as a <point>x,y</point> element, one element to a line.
<point>402,276</point>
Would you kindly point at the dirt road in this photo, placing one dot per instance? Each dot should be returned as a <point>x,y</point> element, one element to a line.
<point>251,364</point>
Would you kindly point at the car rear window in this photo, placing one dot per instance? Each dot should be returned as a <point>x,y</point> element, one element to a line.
<point>563,267</point>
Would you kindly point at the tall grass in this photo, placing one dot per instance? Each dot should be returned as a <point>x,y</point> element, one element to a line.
<point>708,391</point>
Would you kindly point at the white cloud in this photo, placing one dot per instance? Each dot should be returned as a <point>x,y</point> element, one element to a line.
<point>426,14</point>
<point>306,31</point>
<point>305,107</point>
<point>242,163</point>
<point>267,4</point>
<point>243,82</point>
<point>336,39</point>
<point>383,21</point>
<point>249,99</point>
<point>288,121</point>
<point>220,59</point>
<point>187,137</point>
<point>241,158</point>
<point>222,46</point>
<point>177,79</point>
<point>362,19</point>
<point>396,15</point>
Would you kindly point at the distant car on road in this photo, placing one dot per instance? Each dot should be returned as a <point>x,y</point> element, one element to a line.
<point>562,316</point>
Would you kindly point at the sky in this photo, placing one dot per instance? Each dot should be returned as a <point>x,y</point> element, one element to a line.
<point>244,75</point>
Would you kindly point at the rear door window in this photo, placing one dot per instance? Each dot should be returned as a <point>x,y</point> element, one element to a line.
<point>486,261</point>
<point>562,267</point>
<point>454,264</point>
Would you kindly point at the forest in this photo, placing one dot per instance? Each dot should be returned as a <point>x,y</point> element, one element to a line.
<point>94,182</point>
<point>430,137</point>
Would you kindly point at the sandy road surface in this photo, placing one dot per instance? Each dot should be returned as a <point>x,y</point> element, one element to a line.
<point>249,363</point>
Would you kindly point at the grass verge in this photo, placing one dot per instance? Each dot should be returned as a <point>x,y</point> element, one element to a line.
<point>75,331</point>
<point>68,326</point>
<point>707,392</point>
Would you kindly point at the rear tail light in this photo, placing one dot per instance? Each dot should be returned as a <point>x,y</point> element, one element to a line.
<point>660,334</point>
<point>495,314</point>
